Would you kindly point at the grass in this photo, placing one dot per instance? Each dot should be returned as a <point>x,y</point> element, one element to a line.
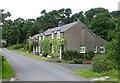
<point>7,71</point>
<point>34,56</point>
<point>88,73</point>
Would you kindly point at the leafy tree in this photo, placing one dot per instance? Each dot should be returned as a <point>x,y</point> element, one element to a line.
<point>101,24</point>
<point>79,16</point>
<point>115,14</point>
<point>4,14</point>
<point>93,12</point>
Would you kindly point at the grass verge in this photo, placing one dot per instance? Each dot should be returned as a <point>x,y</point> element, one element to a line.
<point>88,73</point>
<point>7,71</point>
<point>34,56</point>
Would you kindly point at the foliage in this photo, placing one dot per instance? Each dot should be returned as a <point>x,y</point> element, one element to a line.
<point>100,63</point>
<point>46,46</point>
<point>76,61</point>
<point>101,24</point>
<point>88,73</point>
<point>70,55</point>
<point>115,14</point>
<point>89,55</point>
<point>30,46</point>
<point>7,70</point>
<point>15,47</point>
<point>76,57</point>
<point>94,11</point>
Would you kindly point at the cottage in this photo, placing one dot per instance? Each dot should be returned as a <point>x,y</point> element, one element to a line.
<point>77,37</point>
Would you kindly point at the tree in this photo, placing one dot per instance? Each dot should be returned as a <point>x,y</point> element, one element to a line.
<point>101,24</point>
<point>79,16</point>
<point>93,12</point>
<point>115,14</point>
<point>4,15</point>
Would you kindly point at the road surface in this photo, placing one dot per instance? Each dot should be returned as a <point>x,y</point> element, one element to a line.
<point>29,69</point>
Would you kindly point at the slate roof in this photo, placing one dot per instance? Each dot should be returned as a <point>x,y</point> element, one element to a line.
<point>62,28</point>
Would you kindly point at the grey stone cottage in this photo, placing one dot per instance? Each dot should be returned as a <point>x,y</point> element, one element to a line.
<point>77,36</point>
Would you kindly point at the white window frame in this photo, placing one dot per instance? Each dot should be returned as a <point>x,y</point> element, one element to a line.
<point>82,49</point>
<point>58,34</point>
<point>103,49</point>
<point>95,49</point>
<point>52,35</point>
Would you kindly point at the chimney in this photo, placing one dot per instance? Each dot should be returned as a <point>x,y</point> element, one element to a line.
<point>60,23</point>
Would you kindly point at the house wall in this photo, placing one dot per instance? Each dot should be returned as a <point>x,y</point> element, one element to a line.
<point>79,35</point>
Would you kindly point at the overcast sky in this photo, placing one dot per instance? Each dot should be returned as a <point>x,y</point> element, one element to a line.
<point>32,8</point>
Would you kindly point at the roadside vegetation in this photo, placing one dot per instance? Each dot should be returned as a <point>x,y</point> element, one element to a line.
<point>16,47</point>
<point>34,56</point>
<point>88,73</point>
<point>6,71</point>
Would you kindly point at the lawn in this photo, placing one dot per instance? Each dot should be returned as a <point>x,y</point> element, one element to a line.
<point>88,73</point>
<point>7,71</point>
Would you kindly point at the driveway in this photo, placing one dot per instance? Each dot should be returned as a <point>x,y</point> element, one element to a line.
<point>29,69</point>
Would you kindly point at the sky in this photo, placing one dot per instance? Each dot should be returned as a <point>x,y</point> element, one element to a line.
<point>32,8</point>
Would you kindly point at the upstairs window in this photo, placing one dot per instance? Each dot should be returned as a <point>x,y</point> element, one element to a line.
<point>82,49</point>
<point>52,35</point>
<point>95,49</point>
<point>102,49</point>
<point>58,34</point>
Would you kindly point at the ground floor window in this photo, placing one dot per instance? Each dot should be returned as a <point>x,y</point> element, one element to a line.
<point>102,49</point>
<point>82,49</point>
<point>95,49</point>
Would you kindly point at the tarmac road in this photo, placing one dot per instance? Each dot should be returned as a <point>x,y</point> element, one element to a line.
<point>29,69</point>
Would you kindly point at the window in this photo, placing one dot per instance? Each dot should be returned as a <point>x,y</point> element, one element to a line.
<point>95,49</point>
<point>82,49</point>
<point>102,49</point>
<point>52,35</point>
<point>58,34</point>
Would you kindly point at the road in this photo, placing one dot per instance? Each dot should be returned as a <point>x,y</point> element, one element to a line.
<point>29,69</point>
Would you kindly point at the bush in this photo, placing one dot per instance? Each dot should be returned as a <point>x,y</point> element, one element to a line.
<point>70,55</point>
<point>71,62</point>
<point>89,55</point>
<point>78,61</point>
<point>76,57</point>
<point>100,63</point>
<point>17,46</point>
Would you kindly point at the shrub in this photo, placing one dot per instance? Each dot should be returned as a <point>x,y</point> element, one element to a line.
<point>78,61</point>
<point>30,47</point>
<point>70,55</point>
<point>17,46</point>
<point>100,63</point>
<point>71,62</point>
<point>89,55</point>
